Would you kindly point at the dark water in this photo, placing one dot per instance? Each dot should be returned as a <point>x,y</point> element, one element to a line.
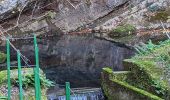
<point>75,59</point>
<point>80,59</point>
<point>81,94</point>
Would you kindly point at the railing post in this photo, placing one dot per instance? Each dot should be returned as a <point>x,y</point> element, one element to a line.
<point>67,91</point>
<point>19,76</point>
<point>36,72</point>
<point>8,69</point>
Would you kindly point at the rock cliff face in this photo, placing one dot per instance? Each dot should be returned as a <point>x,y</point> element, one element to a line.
<point>78,59</point>
<point>63,55</point>
<point>44,16</point>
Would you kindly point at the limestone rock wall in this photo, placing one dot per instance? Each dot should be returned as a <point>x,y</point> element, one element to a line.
<point>44,16</point>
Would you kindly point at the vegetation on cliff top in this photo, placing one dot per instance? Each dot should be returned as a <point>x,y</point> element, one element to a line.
<point>150,68</point>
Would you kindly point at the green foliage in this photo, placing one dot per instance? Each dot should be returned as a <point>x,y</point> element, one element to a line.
<point>123,30</point>
<point>149,47</point>
<point>27,78</point>
<point>28,81</point>
<point>2,57</point>
<point>46,82</point>
<point>143,49</point>
<point>158,87</point>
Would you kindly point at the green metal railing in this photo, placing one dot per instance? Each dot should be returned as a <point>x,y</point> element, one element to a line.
<point>36,74</point>
<point>67,91</point>
<point>19,76</point>
<point>8,69</point>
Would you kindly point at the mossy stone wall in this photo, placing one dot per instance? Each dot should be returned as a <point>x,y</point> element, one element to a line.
<point>145,75</point>
<point>115,88</point>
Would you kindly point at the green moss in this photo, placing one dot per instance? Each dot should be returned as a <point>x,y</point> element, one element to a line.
<point>119,78</point>
<point>137,90</point>
<point>108,70</point>
<point>125,39</point>
<point>144,74</point>
<point>107,91</point>
<point>120,75</point>
<point>150,71</point>
<point>2,57</point>
<point>148,76</point>
<point>123,30</point>
<point>160,16</point>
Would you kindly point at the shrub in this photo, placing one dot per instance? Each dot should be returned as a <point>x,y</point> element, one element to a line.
<point>28,81</point>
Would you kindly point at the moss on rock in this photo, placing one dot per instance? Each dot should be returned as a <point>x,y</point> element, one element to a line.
<point>160,16</point>
<point>116,88</point>
<point>149,74</point>
<point>150,71</point>
<point>2,57</point>
<point>144,74</point>
<point>121,31</point>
